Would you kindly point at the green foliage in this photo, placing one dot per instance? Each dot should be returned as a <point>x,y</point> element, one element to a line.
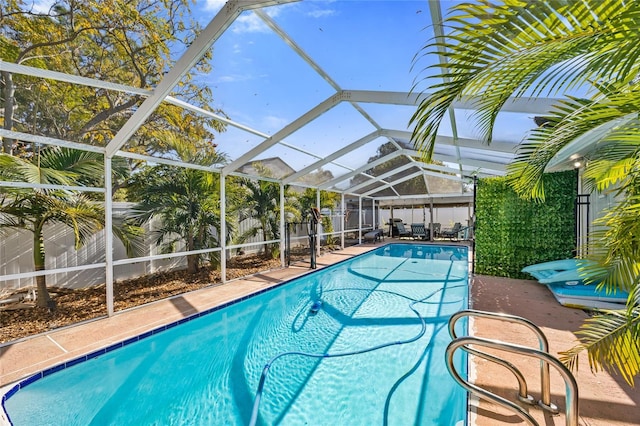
<point>132,43</point>
<point>601,332</point>
<point>261,201</point>
<point>514,48</point>
<point>187,201</point>
<point>328,200</point>
<point>512,232</point>
<point>32,209</point>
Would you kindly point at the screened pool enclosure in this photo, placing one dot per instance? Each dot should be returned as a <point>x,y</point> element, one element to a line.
<point>268,109</point>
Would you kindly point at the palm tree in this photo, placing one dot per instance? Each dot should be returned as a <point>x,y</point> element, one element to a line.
<point>33,209</point>
<point>495,51</point>
<point>328,200</point>
<point>262,202</point>
<point>187,202</point>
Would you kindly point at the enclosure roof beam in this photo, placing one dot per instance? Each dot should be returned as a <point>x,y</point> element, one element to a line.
<point>223,19</point>
<point>414,198</point>
<point>45,140</point>
<point>287,130</point>
<point>360,169</point>
<point>505,147</point>
<point>424,173</point>
<point>380,178</point>
<point>439,168</point>
<point>305,57</point>
<point>395,182</point>
<point>336,154</point>
<point>521,104</point>
<point>487,165</point>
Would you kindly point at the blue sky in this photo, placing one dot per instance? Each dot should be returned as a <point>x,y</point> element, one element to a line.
<point>363,45</point>
<point>260,82</point>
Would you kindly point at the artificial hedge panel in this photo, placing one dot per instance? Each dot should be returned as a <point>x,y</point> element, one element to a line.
<point>512,233</point>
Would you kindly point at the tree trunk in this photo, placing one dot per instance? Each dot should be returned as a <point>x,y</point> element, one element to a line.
<point>264,238</point>
<point>9,92</point>
<point>43,298</point>
<point>192,259</point>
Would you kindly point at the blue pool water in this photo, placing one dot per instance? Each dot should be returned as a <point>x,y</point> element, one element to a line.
<point>390,307</point>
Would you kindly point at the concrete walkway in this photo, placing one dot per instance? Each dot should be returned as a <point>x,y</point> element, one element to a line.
<point>604,400</point>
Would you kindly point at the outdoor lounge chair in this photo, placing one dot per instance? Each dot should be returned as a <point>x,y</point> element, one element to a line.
<point>453,233</point>
<point>373,236</point>
<point>418,231</point>
<point>402,231</point>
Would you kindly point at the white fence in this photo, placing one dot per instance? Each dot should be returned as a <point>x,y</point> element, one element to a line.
<point>445,216</point>
<point>16,256</point>
<point>16,248</point>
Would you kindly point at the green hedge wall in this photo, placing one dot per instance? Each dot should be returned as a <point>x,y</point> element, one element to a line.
<point>512,233</point>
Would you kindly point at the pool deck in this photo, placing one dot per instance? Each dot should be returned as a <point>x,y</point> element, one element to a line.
<point>605,399</point>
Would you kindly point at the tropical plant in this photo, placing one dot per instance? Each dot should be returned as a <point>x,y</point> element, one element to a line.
<point>33,209</point>
<point>186,200</point>
<point>262,202</point>
<point>328,200</point>
<point>588,52</point>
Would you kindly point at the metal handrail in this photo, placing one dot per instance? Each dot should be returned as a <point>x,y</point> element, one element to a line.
<point>545,400</point>
<point>523,394</point>
<point>571,387</point>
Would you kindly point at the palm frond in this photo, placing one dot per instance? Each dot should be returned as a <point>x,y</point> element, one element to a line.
<point>130,234</point>
<point>524,48</point>
<point>610,117</point>
<point>611,341</point>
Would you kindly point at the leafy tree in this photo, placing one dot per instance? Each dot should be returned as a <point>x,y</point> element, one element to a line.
<point>187,202</point>
<point>33,209</point>
<point>495,50</point>
<point>132,43</point>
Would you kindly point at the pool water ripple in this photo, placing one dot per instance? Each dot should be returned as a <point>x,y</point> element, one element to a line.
<point>206,371</point>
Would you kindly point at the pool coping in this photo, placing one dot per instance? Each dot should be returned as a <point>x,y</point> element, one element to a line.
<point>7,391</point>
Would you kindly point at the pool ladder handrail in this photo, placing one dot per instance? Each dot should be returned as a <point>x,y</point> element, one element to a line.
<point>545,400</point>
<point>571,391</point>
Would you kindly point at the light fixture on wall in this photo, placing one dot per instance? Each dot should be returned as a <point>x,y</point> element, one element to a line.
<point>578,160</point>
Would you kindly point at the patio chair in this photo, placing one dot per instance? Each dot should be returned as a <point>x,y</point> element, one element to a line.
<point>418,231</point>
<point>402,231</point>
<point>454,233</point>
<point>373,236</point>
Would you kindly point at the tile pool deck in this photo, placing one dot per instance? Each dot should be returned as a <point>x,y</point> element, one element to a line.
<point>605,400</point>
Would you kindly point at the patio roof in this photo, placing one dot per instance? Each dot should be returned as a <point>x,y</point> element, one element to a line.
<point>326,120</point>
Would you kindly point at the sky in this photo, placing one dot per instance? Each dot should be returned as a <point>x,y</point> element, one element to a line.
<point>260,82</point>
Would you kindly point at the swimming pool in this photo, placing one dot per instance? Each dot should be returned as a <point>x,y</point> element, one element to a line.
<point>389,307</point>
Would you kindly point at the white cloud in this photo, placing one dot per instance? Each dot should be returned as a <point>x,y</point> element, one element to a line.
<point>214,5</point>
<point>274,123</point>
<point>234,78</point>
<point>237,48</point>
<point>249,23</point>
<point>42,6</point>
<point>321,13</point>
